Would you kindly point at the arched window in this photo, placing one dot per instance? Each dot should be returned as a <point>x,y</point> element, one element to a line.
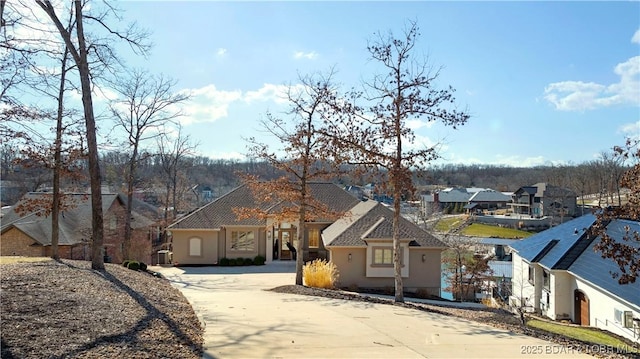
<point>195,246</point>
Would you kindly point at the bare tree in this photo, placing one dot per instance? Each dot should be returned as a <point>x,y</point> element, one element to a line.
<point>76,44</point>
<point>302,160</point>
<point>626,250</point>
<point>172,152</point>
<point>378,136</point>
<point>148,103</point>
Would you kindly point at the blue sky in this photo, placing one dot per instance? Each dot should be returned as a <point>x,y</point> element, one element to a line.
<point>545,82</point>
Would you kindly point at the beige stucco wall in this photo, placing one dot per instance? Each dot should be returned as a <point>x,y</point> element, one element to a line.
<point>259,236</point>
<point>422,275</point>
<point>209,249</point>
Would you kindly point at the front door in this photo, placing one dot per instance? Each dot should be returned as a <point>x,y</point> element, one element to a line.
<point>581,308</point>
<point>286,236</point>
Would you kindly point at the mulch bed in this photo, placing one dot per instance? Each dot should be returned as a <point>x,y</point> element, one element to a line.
<point>67,310</point>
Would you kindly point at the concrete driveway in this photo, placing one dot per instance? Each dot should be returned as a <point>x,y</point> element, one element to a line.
<point>242,320</point>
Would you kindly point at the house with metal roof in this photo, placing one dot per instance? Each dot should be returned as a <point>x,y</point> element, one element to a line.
<point>489,199</point>
<point>558,274</point>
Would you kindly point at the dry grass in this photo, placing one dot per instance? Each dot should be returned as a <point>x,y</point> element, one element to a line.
<point>320,274</point>
<point>19,259</point>
<point>65,309</point>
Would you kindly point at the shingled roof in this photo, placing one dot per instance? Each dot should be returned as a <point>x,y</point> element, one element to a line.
<point>220,212</point>
<point>74,223</point>
<point>372,220</point>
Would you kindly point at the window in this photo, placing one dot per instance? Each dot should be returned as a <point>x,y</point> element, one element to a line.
<point>546,279</point>
<point>242,241</point>
<point>531,274</point>
<point>314,238</point>
<point>383,256</point>
<point>195,246</point>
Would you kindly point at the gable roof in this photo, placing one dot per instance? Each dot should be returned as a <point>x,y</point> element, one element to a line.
<point>532,248</point>
<point>219,213</point>
<point>561,248</point>
<point>371,220</point>
<point>74,223</point>
<point>489,196</point>
<point>591,267</point>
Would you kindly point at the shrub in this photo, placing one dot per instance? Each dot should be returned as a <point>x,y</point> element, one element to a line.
<point>248,261</point>
<point>143,266</point>
<point>224,262</point>
<point>259,260</point>
<point>232,262</point>
<point>133,265</point>
<point>320,274</point>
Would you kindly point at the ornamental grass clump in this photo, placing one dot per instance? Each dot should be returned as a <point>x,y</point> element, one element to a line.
<point>320,274</point>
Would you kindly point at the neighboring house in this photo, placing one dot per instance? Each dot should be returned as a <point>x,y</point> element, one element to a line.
<point>28,232</point>
<point>361,247</point>
<point>558,274</point>
<point>449,198</point>
<point>499,285</point>
<point>213,231</point>
<point>543,199</point>
<point>489,199</point>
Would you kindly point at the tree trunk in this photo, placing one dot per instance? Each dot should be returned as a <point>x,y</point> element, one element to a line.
<point>301,229</point>
<point>126,250</point>
<point>57,165</point>
<point>397,263</point>
<point>97,260</point>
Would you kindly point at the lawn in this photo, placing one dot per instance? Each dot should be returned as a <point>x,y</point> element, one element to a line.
<point>446,224</point>
<point>584,334</point>
<point>479,229</point>
<point>485,230</point>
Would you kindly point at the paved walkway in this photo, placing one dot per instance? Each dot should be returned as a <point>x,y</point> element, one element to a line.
<point>242,320</point>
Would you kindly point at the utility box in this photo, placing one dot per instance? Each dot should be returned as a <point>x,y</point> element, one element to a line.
<point>164,257</point>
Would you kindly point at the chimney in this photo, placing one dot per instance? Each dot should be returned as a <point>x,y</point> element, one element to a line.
<point>436,197</point>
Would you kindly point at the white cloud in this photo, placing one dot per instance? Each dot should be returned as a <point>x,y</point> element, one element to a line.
<point>631,130</point>
<point>270,92</point>
<point>416,124</point>
<point>221,52</point>
<point>208,104</point>
<point>305,55</point>
<point>581,96</point>
<point>636,37</point>
<point>225,155</point>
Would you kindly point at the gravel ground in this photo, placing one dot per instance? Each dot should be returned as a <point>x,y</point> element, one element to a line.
<point>492,316</point>
<point>67,310</point>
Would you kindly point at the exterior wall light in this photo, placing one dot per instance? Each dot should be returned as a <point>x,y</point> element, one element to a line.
<point>349,257</point>
<point>424,258</point>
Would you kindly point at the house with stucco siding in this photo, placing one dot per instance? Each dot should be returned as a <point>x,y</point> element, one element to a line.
<point>559,274</point>
<point>359,242</point>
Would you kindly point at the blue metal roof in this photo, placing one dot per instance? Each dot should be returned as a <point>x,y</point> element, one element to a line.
<point>530,248</point>
<point>591,267</point>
